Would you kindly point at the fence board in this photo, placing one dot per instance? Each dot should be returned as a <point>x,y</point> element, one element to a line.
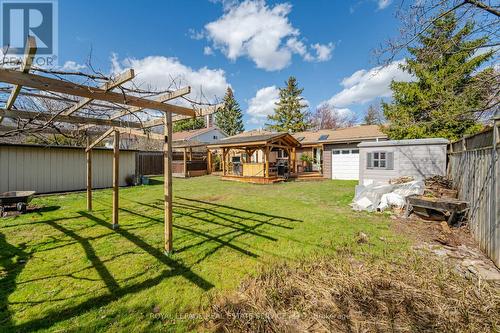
<point>474,169</point>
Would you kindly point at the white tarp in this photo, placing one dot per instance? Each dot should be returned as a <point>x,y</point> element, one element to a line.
<point>382,196</point>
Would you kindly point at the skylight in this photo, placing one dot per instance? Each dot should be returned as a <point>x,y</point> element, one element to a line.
<point>323,137</point>
<point>300,138</point>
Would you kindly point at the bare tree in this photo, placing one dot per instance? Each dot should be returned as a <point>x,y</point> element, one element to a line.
<point>417,16</point>
<point>47,106</point>
<point>373,115</point>
<point>327,117</point>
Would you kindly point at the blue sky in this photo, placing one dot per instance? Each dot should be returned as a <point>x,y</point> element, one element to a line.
<point>254,46</point>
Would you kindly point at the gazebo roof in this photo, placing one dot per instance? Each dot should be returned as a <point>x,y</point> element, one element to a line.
<point>256,140</point>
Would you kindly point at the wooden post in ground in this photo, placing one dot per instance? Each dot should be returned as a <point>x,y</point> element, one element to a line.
<point>185,162</point>
<point>223,161</point>
<point>167,160</point>
<point>89,177</point>
<point>266,157</point>
<point>209,161</point>
<point>116,177</point>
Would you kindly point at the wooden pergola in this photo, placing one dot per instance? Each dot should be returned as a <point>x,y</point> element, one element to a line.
<point>256,171</point>
<point>126,104</point>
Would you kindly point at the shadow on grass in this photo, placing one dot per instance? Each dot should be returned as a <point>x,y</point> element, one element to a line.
<point>12,259</point>
<point>115,292</point>
<point>228,224</point>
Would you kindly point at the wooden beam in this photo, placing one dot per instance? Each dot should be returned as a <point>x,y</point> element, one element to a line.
<point>89,176</point>
<point>119,80</point>
<point>167,151</point>
<point>149,135</point>
<point>50,84</point>
<point>29,54</point>
<point>116,177</point>
<point>51,117</point>
<point>161,99</point>
<point>199,113</point>
<point>99,139</point>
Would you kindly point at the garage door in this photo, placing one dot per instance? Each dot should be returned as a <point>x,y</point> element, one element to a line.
<point>345,164</point>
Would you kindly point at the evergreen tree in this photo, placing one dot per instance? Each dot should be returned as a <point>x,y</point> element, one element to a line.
<point>188,124</point>
<point>450,93</point>
<point>229,117</point>
<point>290,114</point>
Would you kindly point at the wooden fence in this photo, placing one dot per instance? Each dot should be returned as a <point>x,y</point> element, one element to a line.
<point>151,163</point>
<point>475,170</point>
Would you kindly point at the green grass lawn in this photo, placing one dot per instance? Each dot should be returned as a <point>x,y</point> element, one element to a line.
<point>65,269</point>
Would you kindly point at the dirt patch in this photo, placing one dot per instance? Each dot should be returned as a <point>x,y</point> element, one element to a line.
<point>455,246</point>
<point>342,294</point>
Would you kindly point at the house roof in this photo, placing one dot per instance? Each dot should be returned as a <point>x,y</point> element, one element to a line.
<point>348,134</point>
<point>410,142</point>
<point>254,140</point>
<point>188,135</point>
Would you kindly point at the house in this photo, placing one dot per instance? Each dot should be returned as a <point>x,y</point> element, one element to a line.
<point>202,135</point>
<point>334,153</point>
<point>385,160</point>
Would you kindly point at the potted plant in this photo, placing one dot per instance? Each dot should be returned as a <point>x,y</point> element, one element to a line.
<point>307,161</point>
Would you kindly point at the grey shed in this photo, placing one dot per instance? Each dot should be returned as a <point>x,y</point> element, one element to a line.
<point>382,161</point>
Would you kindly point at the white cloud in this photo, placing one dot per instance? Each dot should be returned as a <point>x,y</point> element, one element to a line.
<point>365,85</point>
<point>262,105</point>
<point>323,52</point>
<point>383,3</point>
<point>158,72</point>
<point>72,66</point>
<point>262,33</point>
<point>207,50</point>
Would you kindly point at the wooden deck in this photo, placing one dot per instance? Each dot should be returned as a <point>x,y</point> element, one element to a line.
<point>254,180</point>
<point>308,176</point>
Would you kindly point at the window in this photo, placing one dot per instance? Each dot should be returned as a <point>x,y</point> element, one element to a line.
<point>380,160</point>
<point>323,137</point>
<point>336,152</point>
<point>215,137</point>
<point>355,151</point>
<point>345,152</point>
<point>282,154</point>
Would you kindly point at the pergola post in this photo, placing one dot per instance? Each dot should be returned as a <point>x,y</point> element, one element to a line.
<point>167,160</point>
<point>223,161</point>
<point>116,177</point>
<point>89,176</point>
<point>185,162</point>
<point>209,161</point>
<point>266,157</point>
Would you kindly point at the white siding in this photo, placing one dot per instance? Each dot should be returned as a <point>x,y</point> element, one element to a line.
<point>48,170</point>
<point>419,161</point>
<point>209,136</point>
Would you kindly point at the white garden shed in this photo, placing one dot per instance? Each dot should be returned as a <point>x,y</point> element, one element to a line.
<point>382,161</point>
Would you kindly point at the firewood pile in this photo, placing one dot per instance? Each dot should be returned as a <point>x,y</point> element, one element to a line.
<point>439,187</point>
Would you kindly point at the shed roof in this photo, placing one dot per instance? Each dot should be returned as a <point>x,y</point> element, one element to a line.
<point>410,142</point>
<point>348,134</point>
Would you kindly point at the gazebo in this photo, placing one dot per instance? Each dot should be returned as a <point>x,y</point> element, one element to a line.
<point>262,159</point>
